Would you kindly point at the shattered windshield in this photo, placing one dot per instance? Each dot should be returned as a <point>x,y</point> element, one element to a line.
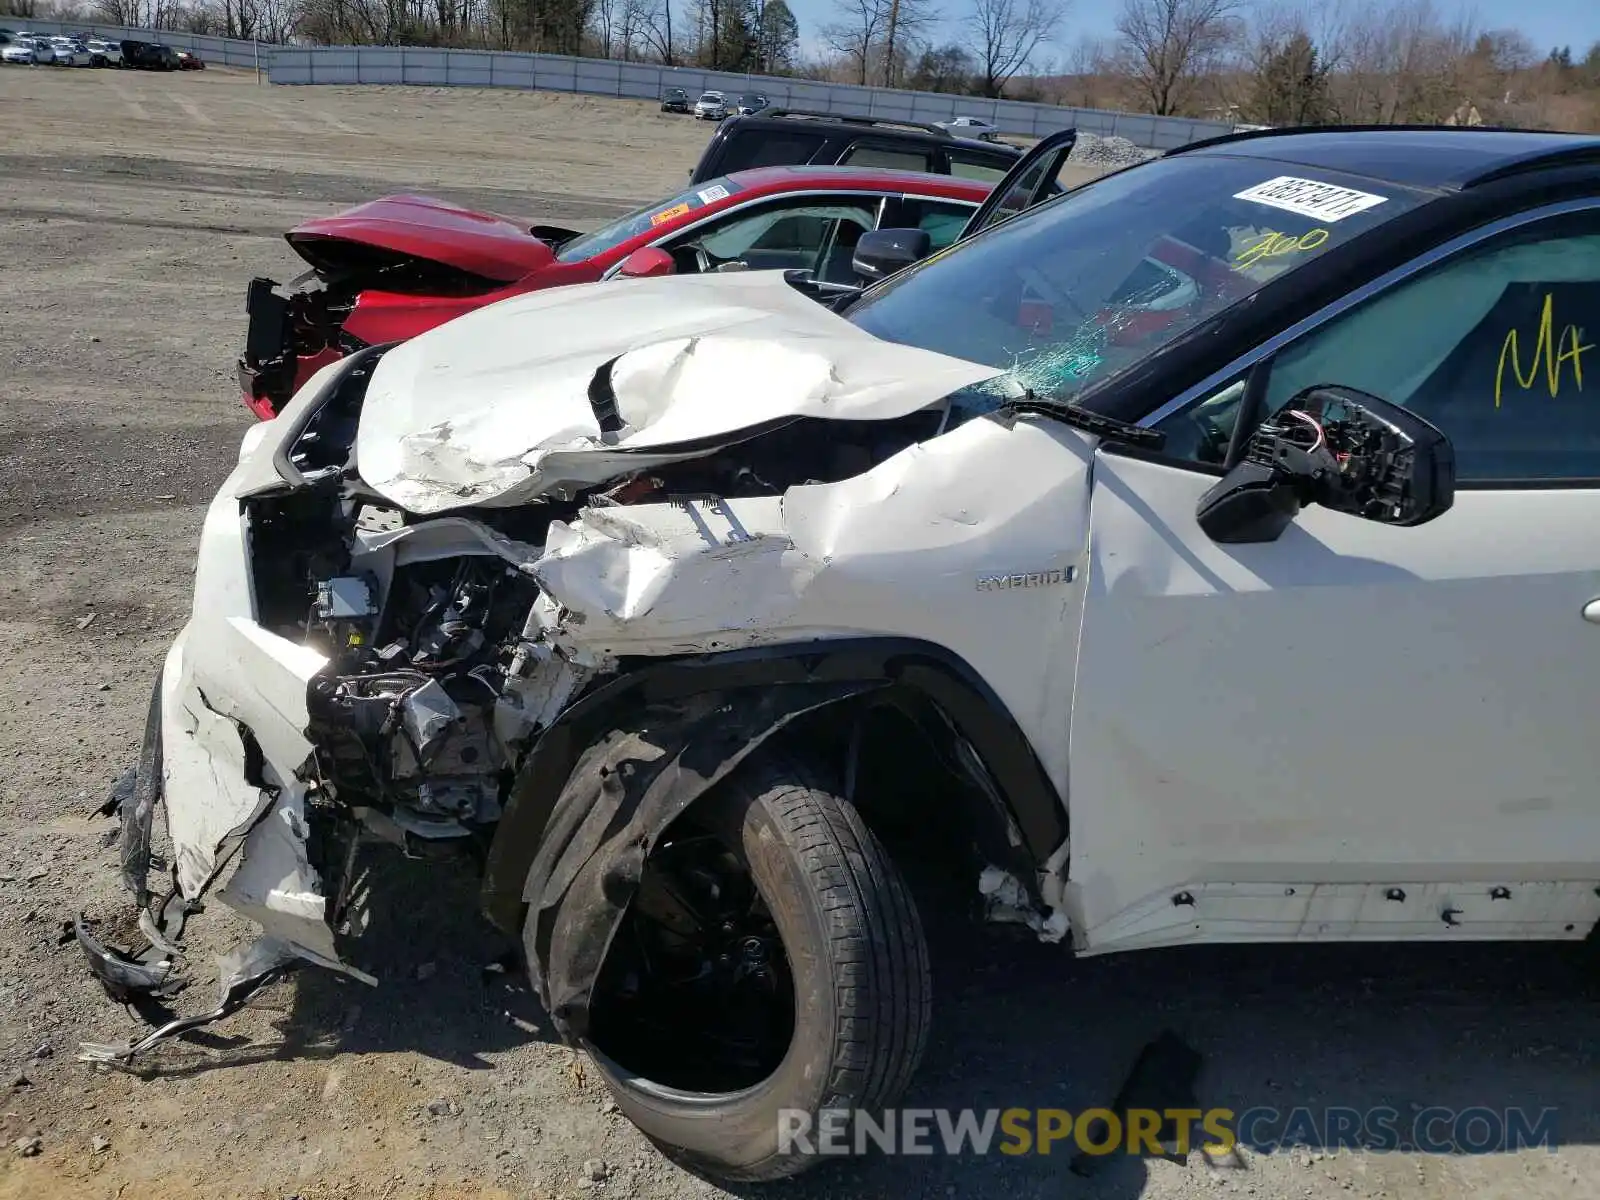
<point>1087,285</point>
<point>609,237</point>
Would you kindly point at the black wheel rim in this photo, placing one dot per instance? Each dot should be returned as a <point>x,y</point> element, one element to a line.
<point>697,992</point>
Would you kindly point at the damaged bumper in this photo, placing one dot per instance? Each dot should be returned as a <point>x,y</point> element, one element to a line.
<point>273,883</point>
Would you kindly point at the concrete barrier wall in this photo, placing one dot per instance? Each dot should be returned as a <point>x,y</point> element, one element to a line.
<point>645,81</point>
<point>430,66</point>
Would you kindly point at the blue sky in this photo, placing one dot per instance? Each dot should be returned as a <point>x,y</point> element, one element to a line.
<point>1546,22</point>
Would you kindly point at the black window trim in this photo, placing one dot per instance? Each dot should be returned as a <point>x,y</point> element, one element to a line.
<point>1265,352</point>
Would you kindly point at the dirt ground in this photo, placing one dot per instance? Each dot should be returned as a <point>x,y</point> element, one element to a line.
<point>133,210</point>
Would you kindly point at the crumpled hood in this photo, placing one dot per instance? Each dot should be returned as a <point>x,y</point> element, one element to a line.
<point>495,407</point>
<point>481,244</point>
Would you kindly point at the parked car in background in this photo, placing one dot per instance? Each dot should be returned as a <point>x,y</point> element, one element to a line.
<point>24,49</point>
<point>393,268</point>
<point>44,49</point>
<point>751,103</point>
<point>104,53</point>
<point>712,106</point>
<point>780,136</point>
<point>69,53</point>
<point>974,127</point>
<point>190,60</point>
<point>149,56</point>
<point>674,100</point>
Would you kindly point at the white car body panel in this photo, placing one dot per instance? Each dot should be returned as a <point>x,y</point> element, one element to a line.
<point>897,551</point>
<point>1289,731</point>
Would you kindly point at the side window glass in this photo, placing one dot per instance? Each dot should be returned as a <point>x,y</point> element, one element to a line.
<point>888,159</point>
<point>1496,347</point>
<point>1016,199</point>
<point>942,222</point>
<point>1039,183</point>
<point>967,166</point>
<point>765,148</point>
<point>1499,347</point>
<point>778,237</point>
<point>1202,432</point>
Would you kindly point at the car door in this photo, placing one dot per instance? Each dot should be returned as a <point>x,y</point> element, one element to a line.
<point>1036,177</point>
<point>1359,730</point>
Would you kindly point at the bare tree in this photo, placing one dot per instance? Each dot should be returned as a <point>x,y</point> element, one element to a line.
<point>905,22</point>
<point>1402,63</point>
<point>1006,33</point>
<point>655,31</point>
<point>858,32</point>
<point>633,20</point>
<point>605,17</point>
<point>1169,46</point>
<point>1086,62</point>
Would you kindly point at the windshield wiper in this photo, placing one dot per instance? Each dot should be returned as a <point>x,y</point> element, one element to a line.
<point>1109,428</point>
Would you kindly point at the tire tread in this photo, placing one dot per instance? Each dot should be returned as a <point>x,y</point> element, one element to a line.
<point>876,946</point>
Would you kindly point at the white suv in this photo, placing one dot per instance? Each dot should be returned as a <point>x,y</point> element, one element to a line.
<point>1204,555</point>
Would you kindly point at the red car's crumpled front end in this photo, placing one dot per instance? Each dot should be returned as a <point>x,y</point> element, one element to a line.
<point>383,271</point>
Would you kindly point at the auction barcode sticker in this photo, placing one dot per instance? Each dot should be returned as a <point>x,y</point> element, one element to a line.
<point>1311,198</point>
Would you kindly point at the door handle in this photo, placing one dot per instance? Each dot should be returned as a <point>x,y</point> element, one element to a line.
<point>1591,611</point>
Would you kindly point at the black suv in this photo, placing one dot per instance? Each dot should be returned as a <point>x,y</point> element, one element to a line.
<point>150,56</point>
<point>675,100</point>
<point>777,137</point>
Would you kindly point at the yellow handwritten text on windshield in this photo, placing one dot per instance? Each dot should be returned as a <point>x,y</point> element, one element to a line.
<point>1550,351</point>
<point>1273,244</point>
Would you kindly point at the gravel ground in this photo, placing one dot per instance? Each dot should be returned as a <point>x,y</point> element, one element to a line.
<point>136,207</point>
<point>1093,150</point>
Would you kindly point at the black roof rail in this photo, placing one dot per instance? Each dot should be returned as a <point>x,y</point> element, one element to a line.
<point>1251,135</point>
<point>853,119</point>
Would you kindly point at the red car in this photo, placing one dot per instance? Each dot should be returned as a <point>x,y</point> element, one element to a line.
<point>393,268</point>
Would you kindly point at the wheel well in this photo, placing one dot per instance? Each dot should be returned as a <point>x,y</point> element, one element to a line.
<point>969,756</point>
<point>891,752</point>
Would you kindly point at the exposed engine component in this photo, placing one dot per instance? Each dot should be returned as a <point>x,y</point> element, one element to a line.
<point>405,719</point>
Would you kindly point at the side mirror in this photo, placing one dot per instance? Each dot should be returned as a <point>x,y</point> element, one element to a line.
<point>879,253</point>
<point>647,262</point>
<point>1340,448</point>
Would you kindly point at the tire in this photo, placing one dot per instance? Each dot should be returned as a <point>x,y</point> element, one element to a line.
<point>855,950</point>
